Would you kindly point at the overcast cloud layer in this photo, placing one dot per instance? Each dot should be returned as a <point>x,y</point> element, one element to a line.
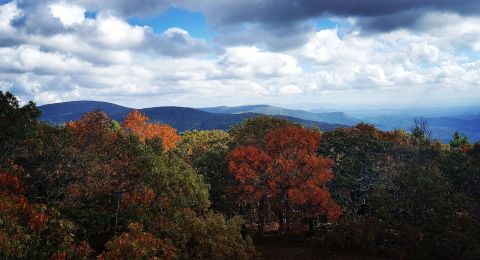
<point>378,52</point>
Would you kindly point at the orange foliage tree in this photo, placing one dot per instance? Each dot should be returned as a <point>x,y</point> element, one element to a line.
<point>19,220</point>
<point>137,244</point>
<point>286,176</point>
<point>107,173</point>
<point>137,123</point>
<point>32,230</point>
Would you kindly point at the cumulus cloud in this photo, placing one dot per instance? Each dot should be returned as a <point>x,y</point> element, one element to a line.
<point>177,42</point>
<point>273,16</point>
<point>263,50</point>
<point>249,62</point>
<point>68,14</point>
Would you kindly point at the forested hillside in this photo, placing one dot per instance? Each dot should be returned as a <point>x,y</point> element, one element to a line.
<point>182,118</point>
<point>100,187</point>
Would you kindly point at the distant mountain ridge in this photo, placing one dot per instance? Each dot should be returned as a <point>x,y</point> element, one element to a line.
<point>328,117</point>
<point>73,110</point>
<point>184,118</point>
<point>181,118</point>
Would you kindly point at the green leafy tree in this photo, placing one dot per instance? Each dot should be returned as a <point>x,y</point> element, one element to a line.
<point>206,151</point>
<point>459,140</point>
<point>17,126</point>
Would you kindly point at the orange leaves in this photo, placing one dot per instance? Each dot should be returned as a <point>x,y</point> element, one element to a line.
<point>137,123</point>
<point>292,139</point>
<point>15,207</point>
<point>91,127</point>
<point>138,197</point>
<point>137,244</point>
<point>10,183</point>
<point>37,220</point>
<point>250,166</point>
<point>287,171</point>
<point>19,219</point>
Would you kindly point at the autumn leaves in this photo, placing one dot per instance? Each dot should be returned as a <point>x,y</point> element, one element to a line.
<point>137,123</point>
<point>285,176</point>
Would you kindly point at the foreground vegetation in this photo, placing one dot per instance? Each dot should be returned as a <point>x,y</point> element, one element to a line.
<point>98,188</point>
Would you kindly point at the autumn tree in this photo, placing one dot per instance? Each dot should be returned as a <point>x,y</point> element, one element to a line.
<point>285,176</point>
<point>129,180</point>
<point>138,244</point>
<point>206,152</point>
<point>137,122</point>
<point>254,130</point>
<point>105,170</point>
<point>32,230</point>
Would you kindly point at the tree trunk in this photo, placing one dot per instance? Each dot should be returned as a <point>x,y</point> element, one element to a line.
<point>281,220</point>
<point>261,218</point>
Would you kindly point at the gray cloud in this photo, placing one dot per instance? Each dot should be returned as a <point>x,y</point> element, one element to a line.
<point>36,18</point>
<point>129,7</point>
<point>374,15</point>
<point>176,42</point>
<point>403,13</point>
<point>277,38</point>
<point>283,24</point>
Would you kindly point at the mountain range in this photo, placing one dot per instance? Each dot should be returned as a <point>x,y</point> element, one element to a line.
<point>330,117</point>
<point>181,118</point>
<point>442,125</point>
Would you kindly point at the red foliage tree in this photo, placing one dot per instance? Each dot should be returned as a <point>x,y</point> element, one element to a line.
<point>19,220</point>
<point>286,176</point>
<point>137,123</point>
<point>137,244</point>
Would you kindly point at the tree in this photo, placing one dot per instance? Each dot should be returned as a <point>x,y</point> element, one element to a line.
<point>361,154</point>
<point>87,181</point>
<point>206,152</point>
<point>33,230</point>
<point>459,140</point>
<point>17,125</point>
<point>137,244</point>
<point>285,176</point>
<point>137,123</point>
<point>105,171</point>
<point>254,130</point>
<point>421,129</point>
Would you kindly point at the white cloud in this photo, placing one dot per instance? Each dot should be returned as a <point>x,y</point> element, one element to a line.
<point>290,89</point>
<point>68,57</point>
<point>68,14</point>
<point>117,34</point>
<point>8,12</point>
<point>30,59</point>
<point>250,62</point>
<point>452,30</point>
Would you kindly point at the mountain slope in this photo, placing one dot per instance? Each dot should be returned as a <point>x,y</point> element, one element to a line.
<point>330,117</point>
<point>181,118</point>
<point>58,113</point>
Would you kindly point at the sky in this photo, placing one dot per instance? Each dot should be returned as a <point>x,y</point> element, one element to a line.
<point>143,53</point>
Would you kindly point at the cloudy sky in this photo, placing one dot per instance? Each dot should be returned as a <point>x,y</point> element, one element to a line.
<point>195,53</point>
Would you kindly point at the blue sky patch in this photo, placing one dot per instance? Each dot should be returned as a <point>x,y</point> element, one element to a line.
<point>192,22</point>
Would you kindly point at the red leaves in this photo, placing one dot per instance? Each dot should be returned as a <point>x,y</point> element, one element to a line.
<point>251,168</point>
<point>19,219</point>
<point>37,220</point>
<point>137,244</point>
<point>15,206</point>
<point>286,171</point>
<point>137,123</point>
<point>11,184</point>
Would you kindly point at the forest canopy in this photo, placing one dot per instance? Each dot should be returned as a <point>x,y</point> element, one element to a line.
<point>98,188</point>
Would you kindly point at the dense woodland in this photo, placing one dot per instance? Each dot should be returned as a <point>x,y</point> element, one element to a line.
<point>98,188</point>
